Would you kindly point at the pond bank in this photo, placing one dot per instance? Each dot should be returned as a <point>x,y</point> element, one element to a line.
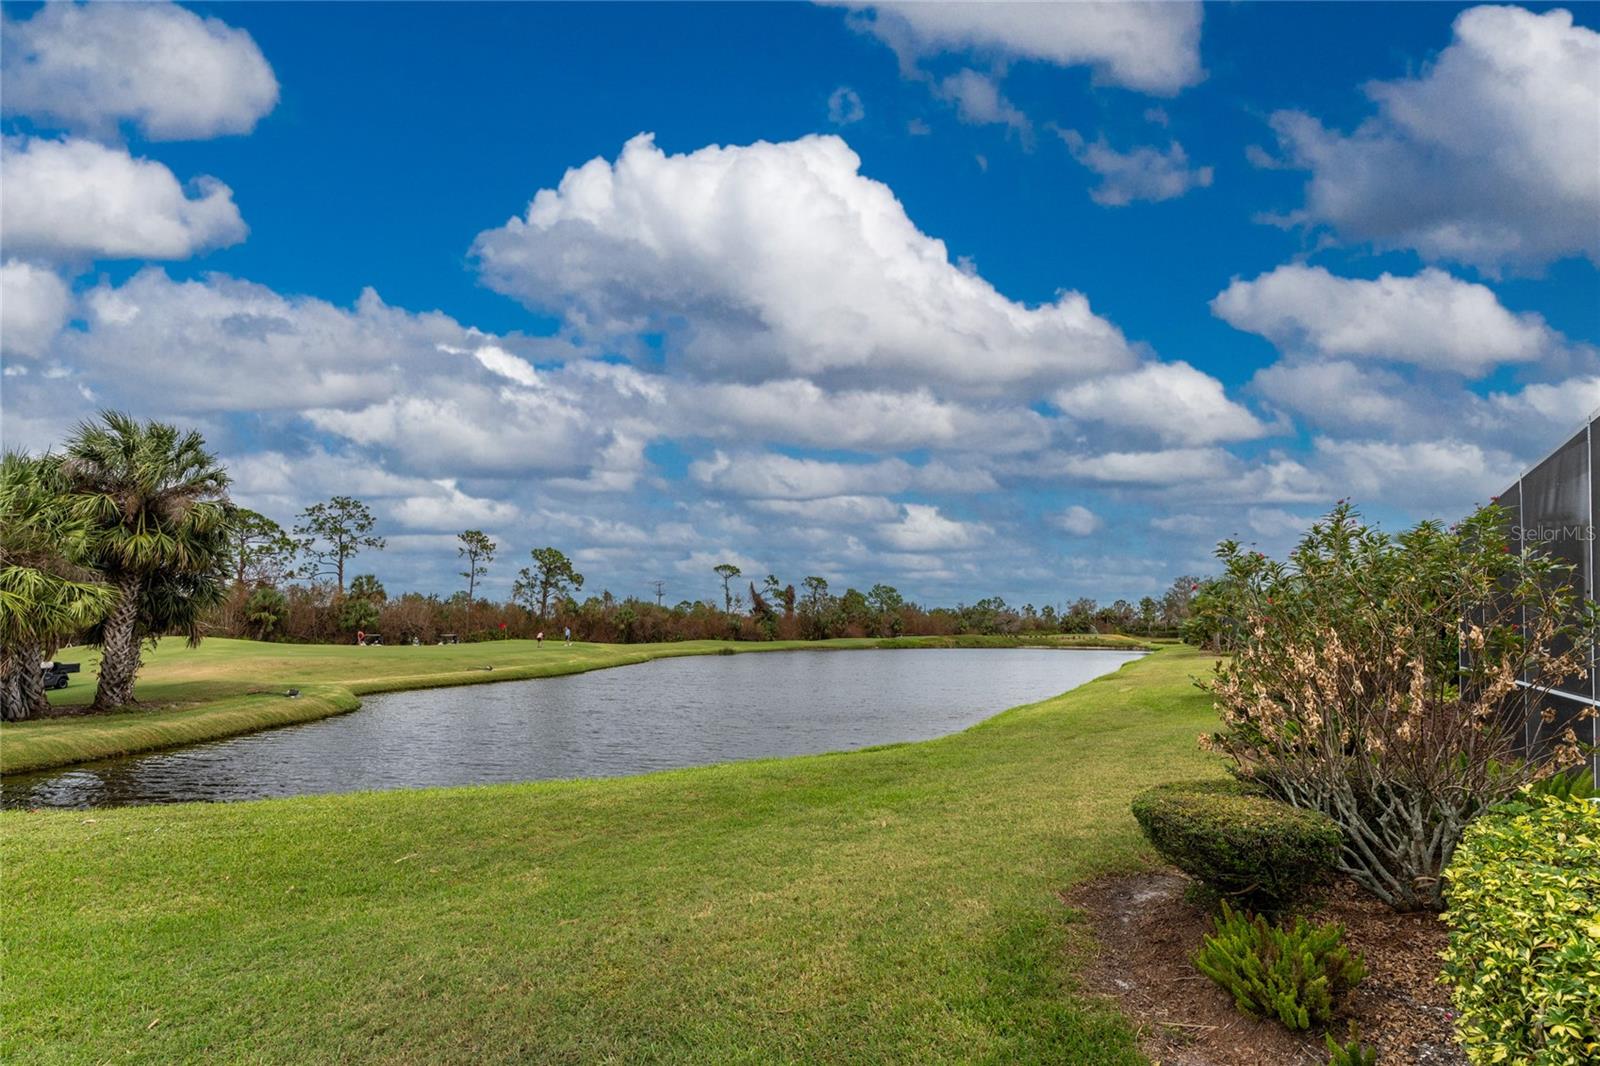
<point>671,713</point>
<point>230,687</point>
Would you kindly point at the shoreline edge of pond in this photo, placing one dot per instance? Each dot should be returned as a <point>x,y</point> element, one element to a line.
<point>65,740</point>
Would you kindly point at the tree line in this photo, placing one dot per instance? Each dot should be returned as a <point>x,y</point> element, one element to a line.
<point>128,534</point>
<point>545,595</point>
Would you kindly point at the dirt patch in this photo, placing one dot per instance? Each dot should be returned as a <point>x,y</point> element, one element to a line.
<point>1145,932</point>
<point>70,710</point>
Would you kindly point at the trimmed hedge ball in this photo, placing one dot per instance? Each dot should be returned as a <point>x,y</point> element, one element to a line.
<point>1238,842</point>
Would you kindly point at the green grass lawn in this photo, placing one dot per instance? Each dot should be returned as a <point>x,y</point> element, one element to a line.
<point>225,687</point>
<point>898,904</point>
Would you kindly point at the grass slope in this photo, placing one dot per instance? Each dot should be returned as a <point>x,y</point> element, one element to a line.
<point>892,905</point>
<point>226,687</point>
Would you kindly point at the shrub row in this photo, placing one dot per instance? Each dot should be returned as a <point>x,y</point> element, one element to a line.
<point>1240,844</point>
<point>1523,892</point>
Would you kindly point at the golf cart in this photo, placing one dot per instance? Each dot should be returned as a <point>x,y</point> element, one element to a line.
<point>55,674</point>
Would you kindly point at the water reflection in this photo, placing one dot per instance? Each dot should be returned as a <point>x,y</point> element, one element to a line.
<point>653,716</point>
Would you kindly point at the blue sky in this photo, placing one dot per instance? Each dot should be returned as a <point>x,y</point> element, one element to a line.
<point>1036,300</point>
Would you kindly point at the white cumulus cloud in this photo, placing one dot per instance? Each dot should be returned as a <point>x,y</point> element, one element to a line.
<point>1558,404</point>
<point>1430,319</point>
<point>1432,473</point>
<point>797,411</point>
<point>439,398</point>
<point>780,260</point>
<point>769,475</point>
<point>1152,47</point>
<point>450,508</point>
<point>1339,394</point>
<point>833,510</point>
<point>75,199</point>
<point>1173,401</point>
<point>246,347</point>
<point>979,102</point>
<point>1142,173</point>
<point>1167,466</point>
<point>1367,401</point>
<point>1077,520</point>
<point>924,529</point>
<point>1490,156</point>
<point>174,74</point>
<point>33,308</point>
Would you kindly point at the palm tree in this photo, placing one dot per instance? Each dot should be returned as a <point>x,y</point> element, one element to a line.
<point>158,502</point>
<point>45,595</point>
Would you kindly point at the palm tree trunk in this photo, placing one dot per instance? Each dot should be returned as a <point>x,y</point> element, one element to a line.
<point>30,681</point>
<point>10,696</point>
<point>119,648</point>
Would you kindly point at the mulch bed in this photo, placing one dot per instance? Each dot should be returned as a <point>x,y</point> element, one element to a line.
<point>1145,932</point>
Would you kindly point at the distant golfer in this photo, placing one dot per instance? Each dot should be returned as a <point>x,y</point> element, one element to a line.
<point>539,637</point>
<point>566,631</point>
<point>361,636</point>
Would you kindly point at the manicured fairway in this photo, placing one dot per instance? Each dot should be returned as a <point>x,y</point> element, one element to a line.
<point>892,905</point>
<point>226,687</point>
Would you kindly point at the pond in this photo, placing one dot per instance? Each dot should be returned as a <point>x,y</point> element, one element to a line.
<point>653,716</point>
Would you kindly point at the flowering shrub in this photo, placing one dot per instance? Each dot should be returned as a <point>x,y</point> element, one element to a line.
<point>1524,955</point>
<point>1374,679</point>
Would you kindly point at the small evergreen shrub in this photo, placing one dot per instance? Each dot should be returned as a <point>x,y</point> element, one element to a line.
<point>1573,784</point>
<point>1240,844</point>
<point>1523,894</point>
<point>1352,1052</point>
<point>1563,785</point>
<point>1292,973</point>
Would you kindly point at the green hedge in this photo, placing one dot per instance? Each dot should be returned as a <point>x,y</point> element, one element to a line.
<point>1237,842</point>
<point>1523,892</point>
